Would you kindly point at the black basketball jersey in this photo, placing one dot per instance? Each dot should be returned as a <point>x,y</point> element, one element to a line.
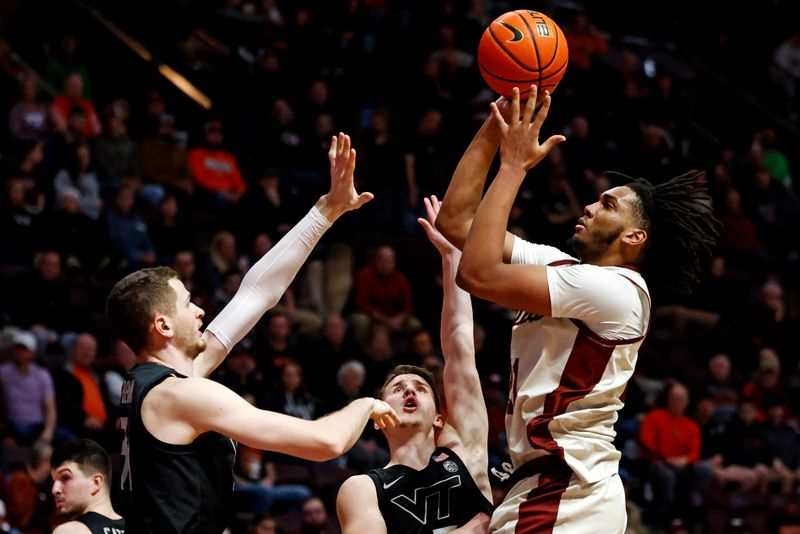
<point>442,495</point>
<point>171,488</point>
<point>100,524</point>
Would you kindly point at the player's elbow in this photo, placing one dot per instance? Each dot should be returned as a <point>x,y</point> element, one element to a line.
<point>452,229</point>
<point>468,278</point>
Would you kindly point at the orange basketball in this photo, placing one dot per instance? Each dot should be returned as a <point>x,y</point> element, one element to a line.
<point>520,48</point>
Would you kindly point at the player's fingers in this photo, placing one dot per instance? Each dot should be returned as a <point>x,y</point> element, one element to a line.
<point>552,142</point>
<point>436,203</point>
<point>498,117</point>
<point>430,210</point>
<point>542,115</point>
<point>530,106</point>
<point>346,145</point>
<point>515,106</point>
<point>332,150</point>
<point>351,162</point>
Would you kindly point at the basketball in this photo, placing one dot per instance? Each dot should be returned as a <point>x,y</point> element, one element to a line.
<point>520,48</point>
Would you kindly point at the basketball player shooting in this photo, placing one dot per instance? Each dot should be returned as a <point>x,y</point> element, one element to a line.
<point>436,479</point>
<point>582,319</point>
<point>178,451</point>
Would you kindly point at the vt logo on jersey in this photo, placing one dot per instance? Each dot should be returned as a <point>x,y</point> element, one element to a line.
<point>438,494</point>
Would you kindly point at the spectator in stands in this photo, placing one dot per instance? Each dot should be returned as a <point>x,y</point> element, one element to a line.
<point>40,297</point>
<point>737,230</point>
<point>671,442</point>
<point>382,296</point>
<point>117,153</point>
<point>163,160</point>
<point>291,395</point>
<point>786,70</point>
<point>170,229</point>
<point>722,387</point>
<point>324,352</point>
<point>128,233</point>
<point>241,375</point>
<point>29,119</point>
<point>276,345</point>
<point>263,524</point>
<point>28,393</point>
<point>215,169</point>
<point>586,42</point>
<point>81,389</point>
<point>256,481</point>
<point>378,357</point>
<point>263,209</point>
<point>222,257</point>
<point>782,443</point>
<point>71,98</point>
<point>745,457</point>
<point>64,61</point>
<point>231,280</point>
<point>18,221</point>
<point>79,174</point>
<point>316,519</point>
<point>80,240</point>
<point>766,380</point>
<point>119,361</point>
<point>30,504</point>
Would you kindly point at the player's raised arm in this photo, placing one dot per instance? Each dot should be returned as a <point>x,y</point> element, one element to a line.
<point>265,283</point>
<point>467,423</point>
<point>482,270</point>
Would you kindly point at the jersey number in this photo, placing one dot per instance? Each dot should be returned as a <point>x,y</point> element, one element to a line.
<point>126,454</point>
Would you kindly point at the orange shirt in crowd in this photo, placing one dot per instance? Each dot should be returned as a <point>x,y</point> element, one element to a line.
<point>216,170</point>
<point>93,405</point>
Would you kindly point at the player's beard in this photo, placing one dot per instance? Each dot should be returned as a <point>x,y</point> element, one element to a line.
<point>191,344</point>
<point>591,245</point>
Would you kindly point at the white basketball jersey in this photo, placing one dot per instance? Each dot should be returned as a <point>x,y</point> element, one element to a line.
<point>569,370</point>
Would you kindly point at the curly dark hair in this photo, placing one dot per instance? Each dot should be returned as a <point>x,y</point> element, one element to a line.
<point>678,216</point>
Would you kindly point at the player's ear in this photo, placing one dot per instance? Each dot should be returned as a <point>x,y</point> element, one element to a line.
<point>98,480</point>
<point>162,324</point>
<point>635,237</point>
<point>438,423</point>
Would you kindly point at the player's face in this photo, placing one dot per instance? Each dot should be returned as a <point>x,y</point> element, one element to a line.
<point>72,489</point>
<point>412,399</point>
<point>188,321</point>
<point>603,223</point>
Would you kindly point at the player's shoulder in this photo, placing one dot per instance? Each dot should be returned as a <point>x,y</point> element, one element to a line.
<point>72,527</point>
<point>357,486</point>
<point>174,389</point>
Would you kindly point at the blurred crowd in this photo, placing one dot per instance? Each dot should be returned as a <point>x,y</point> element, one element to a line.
<point>101,177</point>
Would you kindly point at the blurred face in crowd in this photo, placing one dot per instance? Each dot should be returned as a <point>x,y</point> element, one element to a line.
<point>720,367</point>
<point>385,260</point>
<point>291,377</point>
<point>184,264</point>
<point>314,513</point>
<point>677,400</point>
<point>84,352</point>
<point>748,413</point>
<point>334,329</point>
<point>74,86</point>
<point>267,525</point>
<point>49,264</point>
<point>278,327</point>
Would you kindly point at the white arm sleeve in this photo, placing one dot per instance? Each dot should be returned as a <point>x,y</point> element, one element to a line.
<point>531,254</point>
<point>267,280</point>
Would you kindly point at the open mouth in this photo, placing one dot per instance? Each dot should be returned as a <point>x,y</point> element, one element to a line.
<point>410,405</point>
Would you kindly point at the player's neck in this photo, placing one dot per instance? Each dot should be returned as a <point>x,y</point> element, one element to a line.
<point>172,357</point>
<point>413,451</point>
<point>102,506</point>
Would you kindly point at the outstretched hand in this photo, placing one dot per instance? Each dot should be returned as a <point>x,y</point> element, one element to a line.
<point>342,196</point>
<point>432,207</point>
<point>519,144</point>
<point>384,415</point>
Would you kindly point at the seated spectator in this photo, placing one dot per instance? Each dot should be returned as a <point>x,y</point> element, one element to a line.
<point>29,119</point>
<point>766,380</point>
<point>117,153</point>
<point>263,524</point>
<point>231,280</point>
<point>170,229</point>
<point>722,387</point>
<point>214,168</point>
<point>17,224</point>
<point>256,486</point>
<point>28,394</point>
<point>128,233</point>
<point>30,504</point>
<point>40,297</point>
<point>263,209</point>
<point>315,518</point>
<point>80,175</point>
<point>71,98</point>
<point>222,257</point>
<point>745,459</point>
<point>163,160</point>
<point>324,352</point>
<point>291,395</point>
<point>79,239</point>
<point>671,443</point>
<point>81,392</point>
<point>241,375</point>
<point>382,296</point>
<point>783,444</point>
<point>119,361</point>
<point>378,358</point>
